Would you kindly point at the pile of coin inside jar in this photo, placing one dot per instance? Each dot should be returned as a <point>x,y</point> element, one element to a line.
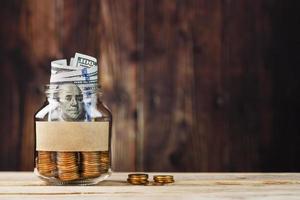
<point>142,179</point>
<point>70,166</point>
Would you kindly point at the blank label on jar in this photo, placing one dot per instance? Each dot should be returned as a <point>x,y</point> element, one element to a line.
<point>72,136</point>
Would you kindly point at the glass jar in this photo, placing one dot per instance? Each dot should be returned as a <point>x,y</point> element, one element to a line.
<point>73,136</point>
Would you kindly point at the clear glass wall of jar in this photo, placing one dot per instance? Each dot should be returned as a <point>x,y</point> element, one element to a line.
<point>73,136</point>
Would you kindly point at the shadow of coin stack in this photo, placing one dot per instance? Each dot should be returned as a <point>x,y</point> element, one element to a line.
<point>46,163</point>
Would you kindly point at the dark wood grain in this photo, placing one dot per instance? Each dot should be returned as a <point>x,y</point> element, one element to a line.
<point>195,85</point>
<point>282,63</point>
<point>38,29</point>
<point>218,116</point>
<point>118,77</point>
<point>245,83</point>
<point>183,121</point>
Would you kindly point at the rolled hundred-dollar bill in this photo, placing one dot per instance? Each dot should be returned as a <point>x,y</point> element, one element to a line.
<point>83,69</point>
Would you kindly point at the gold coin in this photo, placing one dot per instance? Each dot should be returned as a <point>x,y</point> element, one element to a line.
<point>67,165</point>
<point>137,182</point>
<point>163,179</point>
<point>45,163</point>
<point>91,175</point>
<point>137,175</point>
<point>138,179</point>
<point>68,176</point>
<point>46,168</point>
<point>90,164</point>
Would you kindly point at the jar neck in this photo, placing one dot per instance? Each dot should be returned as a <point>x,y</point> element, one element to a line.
<point>84,92</point>
<point>70,102</point>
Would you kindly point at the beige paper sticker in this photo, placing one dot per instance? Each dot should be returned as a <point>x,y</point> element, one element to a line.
<point>72,136</point>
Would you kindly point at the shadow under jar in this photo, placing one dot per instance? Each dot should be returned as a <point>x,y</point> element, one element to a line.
<point>73,136</point>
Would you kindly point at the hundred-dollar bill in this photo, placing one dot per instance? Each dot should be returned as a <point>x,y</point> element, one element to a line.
<point>83,69</point>
<point>75,85</point>
<point>81,60</point>
<point>85,72</point>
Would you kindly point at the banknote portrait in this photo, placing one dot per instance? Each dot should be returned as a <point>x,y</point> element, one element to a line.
<point>71,102</point>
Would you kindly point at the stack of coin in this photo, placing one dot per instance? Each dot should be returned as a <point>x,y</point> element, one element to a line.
<point>45,163</point>
<point>90,164</point>
<point>163,179</point>
<point>104,161</point>
<point>67,166</point>
<point>137,179</point>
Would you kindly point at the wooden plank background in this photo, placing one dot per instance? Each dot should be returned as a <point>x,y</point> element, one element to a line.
<point>196,85</point>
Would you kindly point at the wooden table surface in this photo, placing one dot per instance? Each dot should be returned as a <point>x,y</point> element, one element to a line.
<point>25,185</point>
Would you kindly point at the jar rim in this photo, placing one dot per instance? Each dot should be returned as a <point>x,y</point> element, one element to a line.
<point>53,90</point>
